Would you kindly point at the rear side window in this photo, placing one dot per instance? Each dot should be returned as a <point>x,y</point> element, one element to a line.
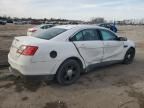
<point>49,33</point>
<point>87,35</point>
<point>107,35</point>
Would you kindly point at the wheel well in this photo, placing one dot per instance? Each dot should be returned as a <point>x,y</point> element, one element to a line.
<point>74,58</point>
<point>78,60</point>
<point>132,48</point>
<point>129,49</point>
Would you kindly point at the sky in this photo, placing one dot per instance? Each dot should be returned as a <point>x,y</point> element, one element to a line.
<point>74,9</point>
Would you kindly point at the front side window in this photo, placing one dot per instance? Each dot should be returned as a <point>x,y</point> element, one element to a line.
<point>87,35</point>
<point>49,33</point>
<point>107,35</point>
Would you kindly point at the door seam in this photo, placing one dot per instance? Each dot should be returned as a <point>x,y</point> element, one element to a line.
<point>79,53</point>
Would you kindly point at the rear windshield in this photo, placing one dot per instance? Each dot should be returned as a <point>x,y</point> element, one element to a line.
<point>49,33</point>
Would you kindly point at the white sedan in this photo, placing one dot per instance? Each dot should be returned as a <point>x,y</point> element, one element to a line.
<point>64,52</point>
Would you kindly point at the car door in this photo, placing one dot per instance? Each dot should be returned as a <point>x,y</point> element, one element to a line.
<point>113,48</point>
<point>89,45</point>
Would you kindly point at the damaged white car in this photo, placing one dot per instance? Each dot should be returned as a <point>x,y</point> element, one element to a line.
<point>64,52</point>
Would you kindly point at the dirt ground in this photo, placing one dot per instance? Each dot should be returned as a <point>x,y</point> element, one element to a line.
<point>115,86</point>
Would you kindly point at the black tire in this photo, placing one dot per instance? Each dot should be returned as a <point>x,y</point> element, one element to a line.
<point>129,57</point>
<point>69,72</point>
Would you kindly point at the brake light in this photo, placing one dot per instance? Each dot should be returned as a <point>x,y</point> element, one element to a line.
<point>27,50</point>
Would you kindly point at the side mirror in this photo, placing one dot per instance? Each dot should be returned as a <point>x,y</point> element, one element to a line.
<point>122,38</point>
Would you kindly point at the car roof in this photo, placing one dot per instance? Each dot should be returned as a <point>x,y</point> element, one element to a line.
<point>78,26</point>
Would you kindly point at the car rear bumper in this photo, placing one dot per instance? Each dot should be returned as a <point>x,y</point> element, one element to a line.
<point>31,77</point>
<point>33,69</point>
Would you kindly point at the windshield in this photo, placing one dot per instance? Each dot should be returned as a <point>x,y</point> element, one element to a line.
<point>49,33</point>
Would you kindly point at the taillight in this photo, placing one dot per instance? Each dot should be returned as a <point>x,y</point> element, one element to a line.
<point>21,49</point>
<point>27,50</point>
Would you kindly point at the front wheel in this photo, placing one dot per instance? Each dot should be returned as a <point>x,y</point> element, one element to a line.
<point>129,57</point>
<point>69,72</point>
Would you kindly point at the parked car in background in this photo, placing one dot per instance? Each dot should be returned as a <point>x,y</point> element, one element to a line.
<point>2,22</point>
<point>64,52</point>
<point>110,26</point>
<point>18,22</point>
<point>9,21</point>
<point>41,27</point>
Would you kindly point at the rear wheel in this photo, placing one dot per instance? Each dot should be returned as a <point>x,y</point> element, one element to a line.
<point>69,72</point>
<point>129,57</point>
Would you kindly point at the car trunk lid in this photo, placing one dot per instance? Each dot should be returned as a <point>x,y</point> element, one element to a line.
<point>23,40</point>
